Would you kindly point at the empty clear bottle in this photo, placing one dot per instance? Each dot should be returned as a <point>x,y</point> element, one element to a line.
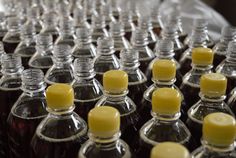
<point>80,18</point>
<point>218,139</point>
<point>212,94</point>
<point>62,69</point>
<point>115,83</point>
<point>228,34</point>
<point>27,113</point>
<point>106,59</point>
<point>10,84</point>
<point>228,67</point>
<point>197,40</point>
<point>33,18</point>
<point>139,41</point>
<point>98,28</point>
<point>137,80</point>
<point>145,23</point>
<point>83,45</point>
<point>200,25</point>
<point>2,52</point>
<point>27,47</point>
<point>202,59</point>
<point>87,89</point>
<point>106,11</point>
<point>169,150</point>
<point>156,21</point>
<point>67,32</point>
<point>3,26</point>
<point>165,124</point>
<point>117,33</point>
<point>12,37</point>
<point>104,141</point>
<point>62,132</point>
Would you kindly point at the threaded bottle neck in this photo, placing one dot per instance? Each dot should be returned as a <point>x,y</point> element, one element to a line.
<point>66,26</point>
<point>126,17</point>
<point>28,32</point>
<point>44,42</point>
<point>84,68</point>
<point>170,32</point>
<point>145,23</point>
<point>228,33</point>
<point>105,46</point>
<point>117,29</point>
<point>11,64</point>
<point>84,35</point>
<point>62,53</point>
<point>198,39</point>
<point>98,21</point>
<point>13,24</point>
<point>165,49</point>
<point>50,20</point>
<point>231,52</point>
<point>79,15</point>
<point>139,37</point>
<point>129,59</point>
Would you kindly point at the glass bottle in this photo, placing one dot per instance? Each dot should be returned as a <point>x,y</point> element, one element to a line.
<point>12,37</point>
<point>218,139</point>
<point>42,59</point>
<point>27,47</point>
<point>137,80</point>
<point>87,89</point>
<point>145,23</point>
<point>3,26</point>
<point>83,45</point>
<point>10,84</point>
<point>212,94</point>
<point>125,17</point>
<point>165,124</point>
<point>2,52</point>
<point>98,28</point>
<point>200,25</point>
<point>164,50</point>
<point>169,150</point>
<point>50,24</point>
<point>202,59</point>
<point>197,40</point>
<point>80,18</point>
<point>139,41</point>
<point>104,141</point>
<point>27,113</point>
<point>228,67</point>
<point>228,34</point>
<point>106,59</point>
<point>62,132</point>
<point>156,21</point>
<point>117,33</point>
<point>106,11</point>
<point>66,35</point>
<point>62,69</point>
<point>115,84</point>
<point>33,18</point>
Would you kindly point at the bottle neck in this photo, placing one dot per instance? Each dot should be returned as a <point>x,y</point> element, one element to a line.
<point>217,149</point>
<point>28,38</point>
<point>160,83</point>
<point>61,112</point>
<point>62,61</point>
<point>212,100</point>
<point>201,69</point>
<point>32,90</point>
<point>84,41</point>
<point>166,118</point>
<point>44,49</point>
<point>106,52</point>
<point>116,97</point>
<point>171,36</point>
<point>88,75</point>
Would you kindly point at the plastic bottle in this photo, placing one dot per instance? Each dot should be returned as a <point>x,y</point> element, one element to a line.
<point>202,59</point>
<point>212,93</point>
<point>165,124</point>
<point>10,84</point>
<point>104,141</point>
<point>106,59</point>
<point>62,69</point>
<point>137,80</point>
<point>218,137</point>
<point>3,26</point>
<point>62,132</point>
<point>33,18</point>
<point>27,113</point>
<point>169,150</point>
<point>115,8</point>
<point>80,18</point>
<point>87,89</point>
<point>12,37</point>
<point>228,34</point>
<point>42,59</point>
<point>139,42</point>
<point>117,33</point>
<point>106,11</point>
<point>27,47</point>
<point>115,83</point>
<point>156,21</point>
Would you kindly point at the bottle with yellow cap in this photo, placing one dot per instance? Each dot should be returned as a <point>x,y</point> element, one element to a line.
<point>104,135</point>
<point>115,84</point>
<point>62,132</point>
<point>87,89</point>
<point>106,59</point>
<point>27,113</point>
<point>218,140</point>
<point>212,94</point>
<point>202,59</point>
<point>163,73</point>
<point>198,39</point>
<point>165,124</point>
<point>169,150</point>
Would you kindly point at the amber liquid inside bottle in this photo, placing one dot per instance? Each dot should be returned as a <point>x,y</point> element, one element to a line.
<point>152,45</point>
<point>128,35</point>
<point>185,65</point>
<point>10,46</point>
<point>196,130</point>
<point>231,84</point>
<point>179,53</point>
<point>218,58</point>
<point>144,64</point>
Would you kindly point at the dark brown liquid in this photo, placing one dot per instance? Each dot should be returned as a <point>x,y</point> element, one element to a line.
<point>128,35</point>
<point>185,66</point>
<point>117,53</point>
<point>157,30</point>
<point>218,58</point>
<point>26,55</point>
<point>145,112</point>
<point>21,129</point>
<point>231,84</point>
<point>152,45</point>
<point>10,47</point>
<point>144,64</point>
<point>60,77</point>
<point>182,37</point>
<point>178,53</point>
<point>99,77</point>
<point>54,37</point>
<point>196,130</point>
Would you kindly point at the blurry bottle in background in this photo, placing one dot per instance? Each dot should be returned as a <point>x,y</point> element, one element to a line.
<point>33,18</point>
<point>156,21</point>
<point>3,25</point>
<point>106,11</point>
<point>80,18</point>
<point>2,52</point>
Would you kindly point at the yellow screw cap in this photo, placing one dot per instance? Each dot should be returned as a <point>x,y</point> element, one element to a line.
<point>60,96</point>
<point>166,101</point>
<point>164,70</point>
<point>213,84</point>
<point>169,150</point>
<point>104,121</point>
<point>219,129</point>
<point>202,56</point>
<point>115,81</point>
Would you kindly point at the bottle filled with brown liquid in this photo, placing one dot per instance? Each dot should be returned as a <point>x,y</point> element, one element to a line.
<point>156,21</point>
<point>27,113</point>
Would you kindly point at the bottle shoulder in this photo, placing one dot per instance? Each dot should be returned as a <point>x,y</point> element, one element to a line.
<point>227,68</point>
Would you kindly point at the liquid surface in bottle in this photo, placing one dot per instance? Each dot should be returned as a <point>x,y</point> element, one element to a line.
<point>42,63</point>
<point>10,46</point>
